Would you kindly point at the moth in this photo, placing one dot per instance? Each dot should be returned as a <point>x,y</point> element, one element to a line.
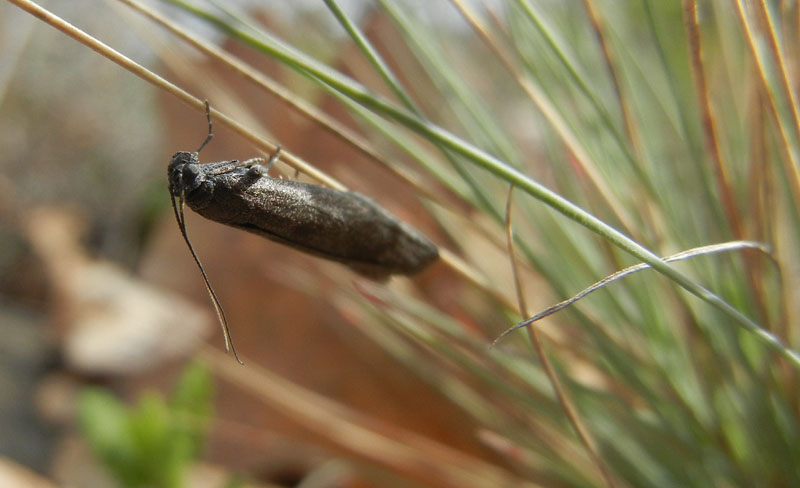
<point>336,225</point>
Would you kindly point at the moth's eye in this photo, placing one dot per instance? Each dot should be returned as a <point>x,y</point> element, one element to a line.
<point>180,159</point>
<point>189,172</point>
<point>186,178</point>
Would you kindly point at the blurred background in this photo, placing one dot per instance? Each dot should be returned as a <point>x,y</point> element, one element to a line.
<point>672,122</point>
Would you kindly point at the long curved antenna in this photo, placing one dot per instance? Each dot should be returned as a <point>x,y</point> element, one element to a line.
<point>223,321</point>
<point>210,131</point>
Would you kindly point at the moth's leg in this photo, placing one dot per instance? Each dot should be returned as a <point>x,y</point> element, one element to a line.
<point>273,158</point>
<point>264,170</point>
<point>233,165</point>
<point>250,163</point>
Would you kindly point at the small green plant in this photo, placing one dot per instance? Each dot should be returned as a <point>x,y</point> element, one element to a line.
<point>154,442</point>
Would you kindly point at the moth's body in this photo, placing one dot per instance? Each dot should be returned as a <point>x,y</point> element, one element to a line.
<point>337,225</point>
<point>341,226</point>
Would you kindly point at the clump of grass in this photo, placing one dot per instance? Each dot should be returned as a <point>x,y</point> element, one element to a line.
<point>628,132</point>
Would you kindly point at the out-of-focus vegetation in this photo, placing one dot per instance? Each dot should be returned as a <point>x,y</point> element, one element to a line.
<point>627,130</point>
<point>153,443</point>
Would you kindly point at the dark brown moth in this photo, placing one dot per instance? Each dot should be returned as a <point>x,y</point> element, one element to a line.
<point>337,225</point>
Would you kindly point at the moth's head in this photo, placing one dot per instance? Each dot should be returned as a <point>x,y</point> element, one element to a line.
<point>184,173</point>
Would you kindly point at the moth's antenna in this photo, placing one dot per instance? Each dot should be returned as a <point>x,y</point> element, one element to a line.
<point>210,131</point>
<point>179,216</point>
